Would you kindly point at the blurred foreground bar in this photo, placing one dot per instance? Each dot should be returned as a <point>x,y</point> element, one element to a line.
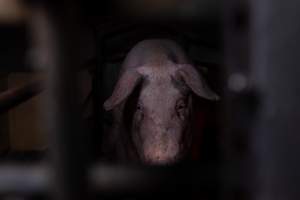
<point>123,180</point>
<point>25,180</point>
<point>56,36</point>
<point>139,181</point>
<point>275,64</point>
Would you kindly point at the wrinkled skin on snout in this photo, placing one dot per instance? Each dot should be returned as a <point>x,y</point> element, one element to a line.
<point>161,122</point>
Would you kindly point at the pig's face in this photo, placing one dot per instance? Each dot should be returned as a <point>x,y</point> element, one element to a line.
<point>162,114</point>
<point>161,119</point>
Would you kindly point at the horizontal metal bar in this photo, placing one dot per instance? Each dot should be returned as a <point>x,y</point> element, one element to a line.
<point>118,180</point>
<point>144,181</point>
<point>23,179</point>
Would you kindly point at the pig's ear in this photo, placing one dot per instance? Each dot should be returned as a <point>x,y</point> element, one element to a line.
<point>195,81</point>
<point>124,87</point>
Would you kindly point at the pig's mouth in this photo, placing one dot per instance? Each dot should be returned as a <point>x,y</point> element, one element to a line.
<point>161,156</point>
<point>161,161</point>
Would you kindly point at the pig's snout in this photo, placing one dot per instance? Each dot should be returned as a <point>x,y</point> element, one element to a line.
<point>162,154</point>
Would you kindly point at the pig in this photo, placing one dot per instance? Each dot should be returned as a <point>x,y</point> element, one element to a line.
<point>152,103</point>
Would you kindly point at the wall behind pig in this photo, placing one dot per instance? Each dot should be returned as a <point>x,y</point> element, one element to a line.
<point>26,131</point>
<point>21,128</point>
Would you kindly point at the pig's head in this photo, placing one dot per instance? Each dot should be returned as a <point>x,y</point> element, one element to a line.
<point>162,116</point>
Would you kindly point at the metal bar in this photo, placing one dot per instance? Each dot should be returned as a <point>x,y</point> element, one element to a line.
<point>23,179</point>
<point>275,64</point>
<point>57,39</point>
<point>121,180</point>
<point>17,95</point>
<point>138,181</point>
<point>240,100</point>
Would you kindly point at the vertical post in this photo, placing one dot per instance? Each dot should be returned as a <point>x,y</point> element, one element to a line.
<point>239,102</point>
<point>275,64</point>
<point>56,37</point>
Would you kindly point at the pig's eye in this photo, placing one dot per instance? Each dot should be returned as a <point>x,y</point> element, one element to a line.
<point>139,114</point>
<point>180,104</point>
<point>181,108</point>
<point>139,106</point>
